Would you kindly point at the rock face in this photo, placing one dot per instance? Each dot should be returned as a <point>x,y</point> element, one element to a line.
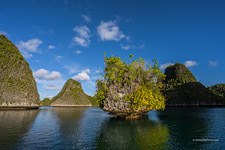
<point>71,95</point>
<point>17,85</point>
<point>182,88</point>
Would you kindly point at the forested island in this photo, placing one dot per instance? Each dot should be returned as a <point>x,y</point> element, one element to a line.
<point>126,89</point>
<point>17,86</point>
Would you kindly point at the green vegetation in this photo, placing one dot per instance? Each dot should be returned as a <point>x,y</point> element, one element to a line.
<point>178,73</point>
<point>93,100</point>
<point>130,88</point>
<point>71,94</point>
<point>182,88</point>
<point>17,85</point>
<point>218,90</point>
<point>46,102</point>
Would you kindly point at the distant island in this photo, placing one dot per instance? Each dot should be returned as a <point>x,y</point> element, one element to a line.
<point>126,90</point>
<point>71,95</point>
<point>183,89</point>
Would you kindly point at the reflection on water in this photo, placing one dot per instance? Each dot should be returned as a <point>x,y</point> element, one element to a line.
<point>188,124</point>
<point>91,128</point>
<point>44,132</point>
<point>138,134</point>
<point>13,125</point>
<point>78,127</point>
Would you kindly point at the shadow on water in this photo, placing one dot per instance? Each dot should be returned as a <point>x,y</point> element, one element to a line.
<point>13,125</point>
<point>133,134</point>
<point>186,125</point>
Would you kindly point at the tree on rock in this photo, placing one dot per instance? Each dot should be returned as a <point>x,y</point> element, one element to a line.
<point>130,89</point>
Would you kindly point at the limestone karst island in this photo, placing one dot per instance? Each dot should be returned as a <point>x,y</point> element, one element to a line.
<point>125,90</point>
<point>112,75</point>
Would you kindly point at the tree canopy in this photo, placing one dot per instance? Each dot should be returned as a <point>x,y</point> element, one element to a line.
<point>134,87</point>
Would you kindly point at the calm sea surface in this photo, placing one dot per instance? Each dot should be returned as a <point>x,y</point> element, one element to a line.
<point>91,128</point>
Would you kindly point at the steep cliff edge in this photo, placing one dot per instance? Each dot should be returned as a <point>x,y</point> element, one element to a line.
<point>71,95</point>
<point>17,85</point>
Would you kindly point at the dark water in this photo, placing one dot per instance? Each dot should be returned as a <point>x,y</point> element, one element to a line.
<point>91,128</point>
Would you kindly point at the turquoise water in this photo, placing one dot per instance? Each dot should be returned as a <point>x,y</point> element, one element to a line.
<point>92,128</point>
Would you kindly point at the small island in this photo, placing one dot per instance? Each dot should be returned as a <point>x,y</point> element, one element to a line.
<point>130,90</point>
<point>183,89</point>
<point>71,95</point>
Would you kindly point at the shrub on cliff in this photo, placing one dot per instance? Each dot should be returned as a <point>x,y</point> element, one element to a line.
<point>130,88</point>
<point>218,90</point>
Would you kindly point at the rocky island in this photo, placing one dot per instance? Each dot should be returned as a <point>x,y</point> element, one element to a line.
<point>183,89</point>
<point>71,95</point>
<point>17,85</point>
<point>129,90</point>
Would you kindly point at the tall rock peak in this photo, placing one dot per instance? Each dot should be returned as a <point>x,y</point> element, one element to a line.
<point>71,94</point>
<point>17,85</point>
<point>180,73</point>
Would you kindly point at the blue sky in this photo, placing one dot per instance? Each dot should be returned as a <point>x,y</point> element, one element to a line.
<point>64,39</point>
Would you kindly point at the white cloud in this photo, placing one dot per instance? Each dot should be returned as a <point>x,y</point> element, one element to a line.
<point>29,46</point>
<point>87,70</point>
<point>83,36</point>
<point>213,63</point>
<point>190,63</point>
<point>129,47</point>
<point>126,47</point>
<point>77,52</point>
<point>51,87</point>
<point>51,47</point>
<point>98,71</point>
<point>73,69</point>
<point>83,75</point>
<point>110,31</point>
<point>86,18</point>
<point>83,31</point>
<point>58,58</point>
<point>27,55</point>
<point>164,66</point>
<point>43,74</point>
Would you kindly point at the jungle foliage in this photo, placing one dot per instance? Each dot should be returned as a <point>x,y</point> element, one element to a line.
<point>46,102</point>
<point>218,89</point>
<point>182,88</point>
<point>137,83</point>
